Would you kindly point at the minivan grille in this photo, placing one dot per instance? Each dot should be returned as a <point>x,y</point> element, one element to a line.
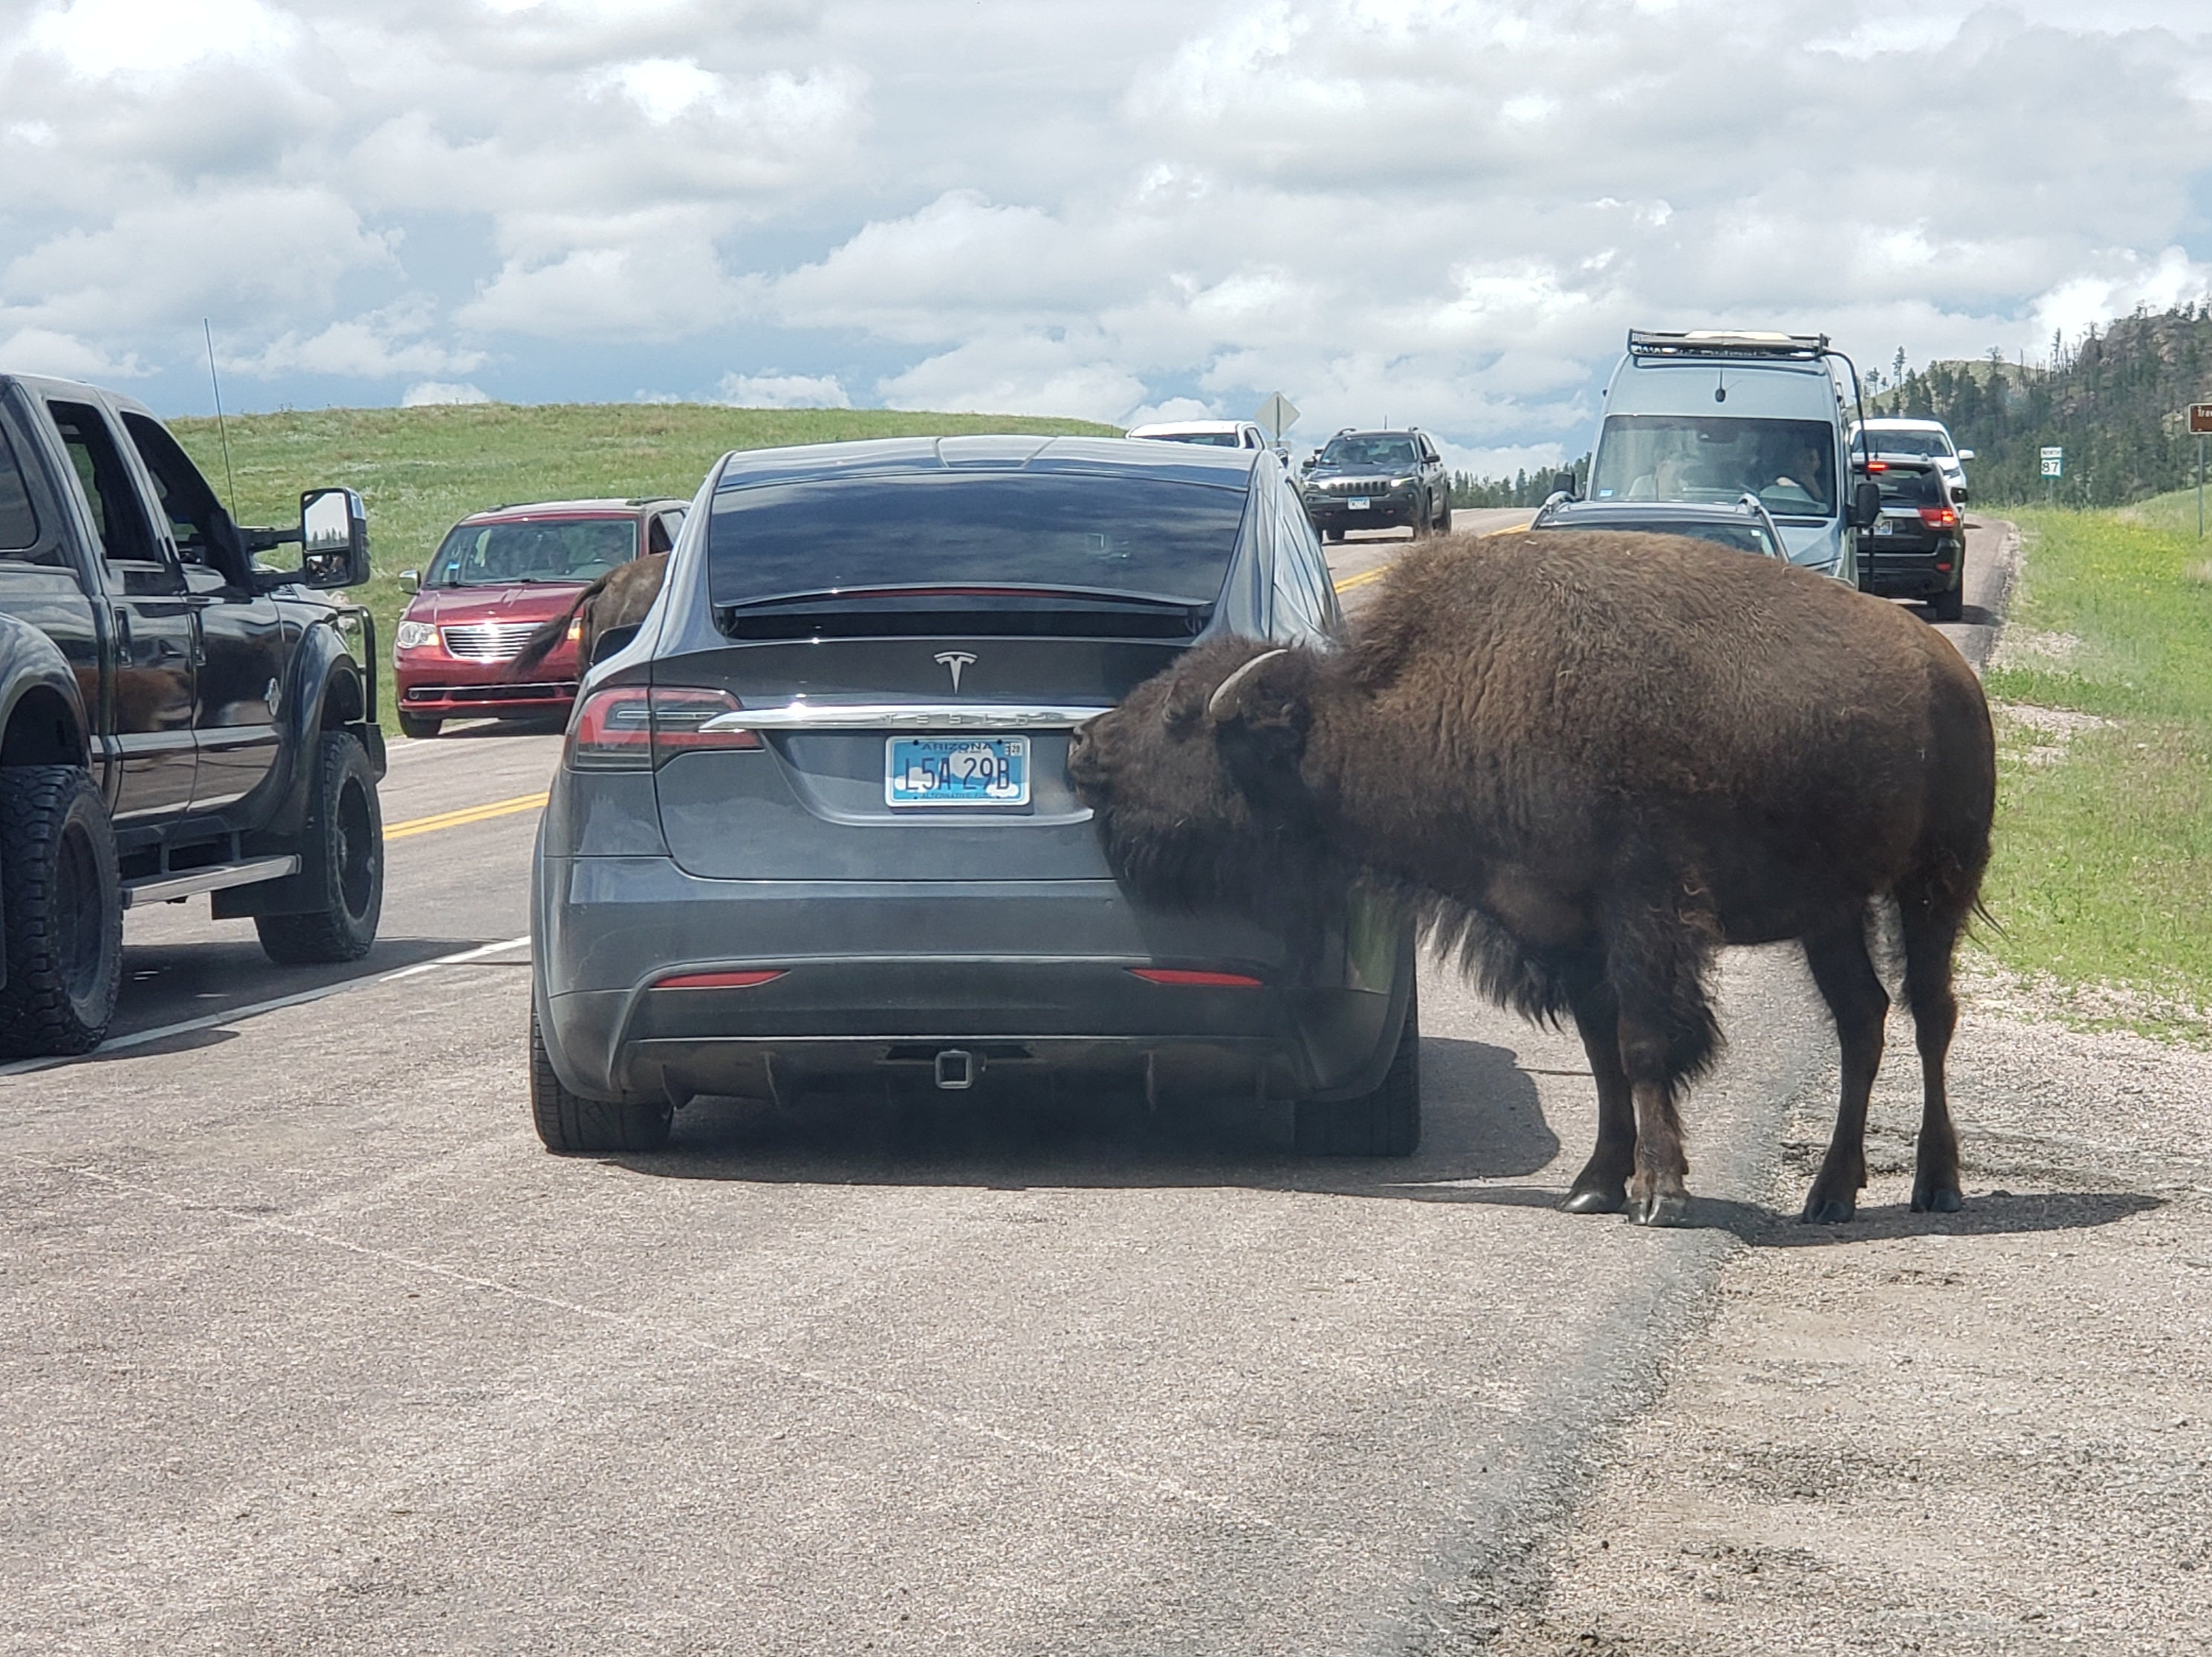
<point>486,642</point>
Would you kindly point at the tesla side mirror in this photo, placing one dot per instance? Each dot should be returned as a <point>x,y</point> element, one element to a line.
<point>1866,503</point>
<point>1965,454</point>
<point>411,580</point>
<point>333,538</point>
<point>607,643</point>
<point>1563,483</point>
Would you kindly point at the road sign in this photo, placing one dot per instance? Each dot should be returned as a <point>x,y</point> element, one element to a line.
<point>1278,414</point>
<point>2200,418</point>
<point>2054,462</point>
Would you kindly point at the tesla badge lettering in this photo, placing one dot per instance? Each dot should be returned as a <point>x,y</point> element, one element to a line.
<point>952,661</point>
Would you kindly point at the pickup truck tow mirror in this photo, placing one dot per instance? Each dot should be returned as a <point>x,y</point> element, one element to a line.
<point>1563,483</point>
<point>411,580</point>
<point>1866,503</point>
<point>333,538</point>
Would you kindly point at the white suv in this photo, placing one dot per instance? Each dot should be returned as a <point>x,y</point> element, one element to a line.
<point>1926,438</point>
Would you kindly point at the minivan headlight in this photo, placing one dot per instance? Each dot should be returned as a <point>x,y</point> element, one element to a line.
<point>414,635</point>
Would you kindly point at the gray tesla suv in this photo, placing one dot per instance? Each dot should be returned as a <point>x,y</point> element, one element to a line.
<point>812,825</point>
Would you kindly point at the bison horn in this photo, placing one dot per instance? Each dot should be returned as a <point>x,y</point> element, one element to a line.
<point>1217,704</point>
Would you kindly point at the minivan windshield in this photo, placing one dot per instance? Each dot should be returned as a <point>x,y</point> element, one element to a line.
<point>1383,453</point>
<point>1790,465</point>
<point>1144,537</point>
<point>556,550</point>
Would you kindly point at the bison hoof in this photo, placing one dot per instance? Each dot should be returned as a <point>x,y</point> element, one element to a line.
<point>1596,1200</point>
<point>1828,1211</point>
<point>1943,1199</point>
<point>1661,1208</point>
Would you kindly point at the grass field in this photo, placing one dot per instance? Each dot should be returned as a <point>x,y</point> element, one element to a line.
<point>419,470</point>
<point>2103,875</point>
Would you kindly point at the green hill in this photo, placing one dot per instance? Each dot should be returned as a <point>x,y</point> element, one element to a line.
<point>420,469</point>
<point>2114,400</point>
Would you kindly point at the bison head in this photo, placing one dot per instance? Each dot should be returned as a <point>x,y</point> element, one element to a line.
<point>1198,782</point>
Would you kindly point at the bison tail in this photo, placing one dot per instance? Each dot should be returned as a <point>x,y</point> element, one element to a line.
<point>540,643</point>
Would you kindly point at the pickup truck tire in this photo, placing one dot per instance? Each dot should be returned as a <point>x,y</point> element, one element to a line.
<point>570,1124</point>
<point>63,907</point>
<point>415,726</point>
<point>1386,1122</point>
<point>345,835</point>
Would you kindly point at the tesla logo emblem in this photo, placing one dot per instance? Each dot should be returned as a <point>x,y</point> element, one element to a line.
<point>952,661</point>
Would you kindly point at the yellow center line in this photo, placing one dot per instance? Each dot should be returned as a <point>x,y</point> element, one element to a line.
<point>504,808</point>
<point>1363,578</point>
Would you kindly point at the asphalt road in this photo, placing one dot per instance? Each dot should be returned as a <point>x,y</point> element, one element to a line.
<point>306,1346</point>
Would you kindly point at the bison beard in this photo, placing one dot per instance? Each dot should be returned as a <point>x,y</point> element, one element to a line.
<point>1585,762</point>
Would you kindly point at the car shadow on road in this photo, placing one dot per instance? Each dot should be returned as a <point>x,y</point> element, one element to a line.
<point>1991,1214</point>
<point>1481,1120</point>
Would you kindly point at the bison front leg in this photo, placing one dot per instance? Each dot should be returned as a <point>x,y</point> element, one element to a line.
<point>1602,1185</point>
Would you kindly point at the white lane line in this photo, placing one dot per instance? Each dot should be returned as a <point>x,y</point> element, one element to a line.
<point>254,1009</point>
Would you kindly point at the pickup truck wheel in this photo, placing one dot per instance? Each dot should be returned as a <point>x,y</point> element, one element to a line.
<point>1386,1122</point>
<point>415,726</point>
<point>63,911</point>
<point>345,835</point>
<point>570,1124</point>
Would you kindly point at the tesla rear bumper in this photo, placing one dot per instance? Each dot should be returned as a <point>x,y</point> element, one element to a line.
<point>878,978</point>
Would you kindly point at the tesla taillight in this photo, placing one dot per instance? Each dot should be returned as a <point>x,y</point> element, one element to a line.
<point>730,981</point>
<point>634,727</point>
<point>1177,977</point>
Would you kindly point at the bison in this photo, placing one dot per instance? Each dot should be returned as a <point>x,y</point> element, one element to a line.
<point>1584,762</point>
<point>618,598</point>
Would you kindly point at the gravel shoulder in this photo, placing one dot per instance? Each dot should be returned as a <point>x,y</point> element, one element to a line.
<point>1988,1432</point>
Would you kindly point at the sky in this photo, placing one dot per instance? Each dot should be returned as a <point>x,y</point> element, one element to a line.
<point>1441,212</point>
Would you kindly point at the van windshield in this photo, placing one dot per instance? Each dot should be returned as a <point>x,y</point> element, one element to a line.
<point>1790,465</point>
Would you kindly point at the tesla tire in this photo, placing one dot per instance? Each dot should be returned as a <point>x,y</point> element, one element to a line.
<point>571,1125</point>
<point>62,900</point>
<point>1386,1122</point>
<point>342,852</point>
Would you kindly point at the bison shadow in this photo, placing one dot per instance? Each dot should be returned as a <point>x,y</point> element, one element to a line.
<point>1481,1120</point>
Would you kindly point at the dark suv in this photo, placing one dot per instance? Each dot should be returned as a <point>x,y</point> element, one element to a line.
<point>1916,548</point>
<point>1377,479</point>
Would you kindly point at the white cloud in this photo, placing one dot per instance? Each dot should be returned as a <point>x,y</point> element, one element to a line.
<point>156,41</point>
<point>778,391</point>
<point>380,345</point>
<point>65,356</point>
<point>1025,374</point>
<point>441,393</point>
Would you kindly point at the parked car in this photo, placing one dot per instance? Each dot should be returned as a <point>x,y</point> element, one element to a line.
<point>1917,548</point>
<point>1927,439</point>
<point>1377,479</point>
<point>175,718</point>
<point>497,576</point>
<point>812,827</point>
<point>1747,526</point>
<point>1208,433</point>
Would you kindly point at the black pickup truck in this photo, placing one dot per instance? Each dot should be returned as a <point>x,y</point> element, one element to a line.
<point>175,718</point>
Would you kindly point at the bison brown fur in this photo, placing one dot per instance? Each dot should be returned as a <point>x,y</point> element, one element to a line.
<point>1587,762</point>
<point>618,598</point>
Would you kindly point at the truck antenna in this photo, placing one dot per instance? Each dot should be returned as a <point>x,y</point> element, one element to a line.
<point>221,430</point>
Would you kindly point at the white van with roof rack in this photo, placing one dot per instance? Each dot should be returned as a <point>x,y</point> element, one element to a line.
<point>1712,417</point>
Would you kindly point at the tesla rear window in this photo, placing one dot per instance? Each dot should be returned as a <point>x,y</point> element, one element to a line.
<point>1133,535</point>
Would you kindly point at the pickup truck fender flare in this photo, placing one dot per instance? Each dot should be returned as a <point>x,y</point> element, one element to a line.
<point>42,714</point>
<point>329,690</point>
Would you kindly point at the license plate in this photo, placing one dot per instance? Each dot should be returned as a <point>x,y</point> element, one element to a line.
<point>1357,503</point>
<point>957,771</point>
<point>1885,526</point>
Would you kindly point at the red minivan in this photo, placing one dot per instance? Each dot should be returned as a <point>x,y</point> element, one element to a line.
<point>497,576</point>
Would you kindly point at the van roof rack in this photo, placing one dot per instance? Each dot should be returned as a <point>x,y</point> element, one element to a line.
<point>1722,343</point>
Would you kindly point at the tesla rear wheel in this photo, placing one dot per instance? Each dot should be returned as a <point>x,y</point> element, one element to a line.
<point>63,900</point>
<point>571,1125</point>
<point>415,726</point>
<point>1386,1122</point>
